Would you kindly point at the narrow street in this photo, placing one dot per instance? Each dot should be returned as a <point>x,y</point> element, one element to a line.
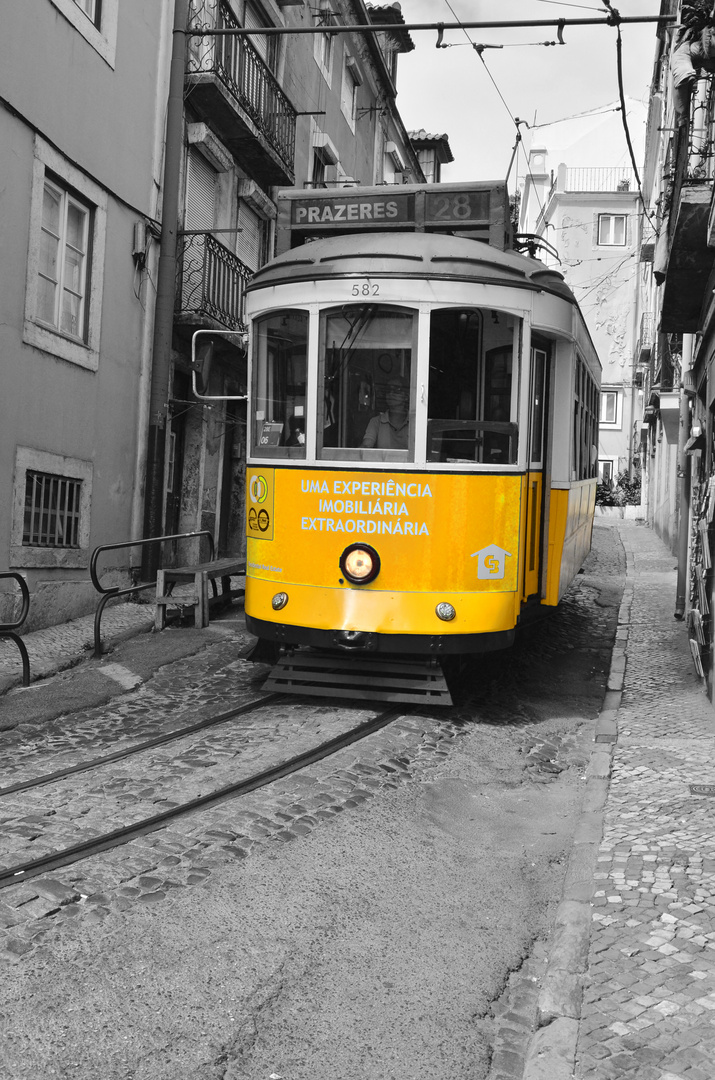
<point>357,919</point>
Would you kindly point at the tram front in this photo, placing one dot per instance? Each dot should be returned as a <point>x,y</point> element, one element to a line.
<point>397,445</point>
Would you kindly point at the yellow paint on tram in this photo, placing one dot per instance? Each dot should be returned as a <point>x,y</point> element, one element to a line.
<point>440,537</point>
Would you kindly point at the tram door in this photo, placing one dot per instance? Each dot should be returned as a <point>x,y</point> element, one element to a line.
<point>535,471</point>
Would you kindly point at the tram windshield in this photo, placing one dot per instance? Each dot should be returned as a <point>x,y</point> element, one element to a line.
<point>365,375</point>
<point>365,386</point>
<point>472,398</point>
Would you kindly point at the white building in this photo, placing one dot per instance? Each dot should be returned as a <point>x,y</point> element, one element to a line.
<point>580,196</point>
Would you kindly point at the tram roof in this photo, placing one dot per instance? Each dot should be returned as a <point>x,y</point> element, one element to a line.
<point>410,255</point>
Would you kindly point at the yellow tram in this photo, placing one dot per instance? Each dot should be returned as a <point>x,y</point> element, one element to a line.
<point>422,429</point>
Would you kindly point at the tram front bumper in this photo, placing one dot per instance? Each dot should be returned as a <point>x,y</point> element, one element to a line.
<point>365,619</point>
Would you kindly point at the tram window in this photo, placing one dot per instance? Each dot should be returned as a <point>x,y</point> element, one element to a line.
<point>279,372</point>
<point>472,405</point>
<point>584,463</point>
<point>366,377</point>
<point>538,392</point>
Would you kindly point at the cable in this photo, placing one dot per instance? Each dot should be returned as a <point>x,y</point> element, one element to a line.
<point>577,116</point>
<point>603,278</point>
<point>560,3</point>
<point>515,121</point>
<point>624,119</point>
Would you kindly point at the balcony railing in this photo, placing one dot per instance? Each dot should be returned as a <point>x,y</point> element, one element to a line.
<point>602,179</point>
<point>614,179</point>
<point>241,70</point>
<point>211,281</point>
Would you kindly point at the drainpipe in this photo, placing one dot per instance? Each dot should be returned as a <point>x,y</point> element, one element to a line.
<point>683,483</point>
<point>165,293</point>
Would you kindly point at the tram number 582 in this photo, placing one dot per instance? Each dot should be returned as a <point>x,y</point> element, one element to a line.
<point>365,288</point>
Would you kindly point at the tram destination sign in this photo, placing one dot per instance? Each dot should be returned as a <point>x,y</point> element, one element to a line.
<point>479,210</point>
<point>358,209</point>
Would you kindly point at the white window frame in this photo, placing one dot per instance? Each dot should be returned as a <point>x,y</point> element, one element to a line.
<point>324,46</point>
<point>609,221</point>
<point>36,332</point>
<point>102,38</point>
<point>612,462</point>
<point>610,391</point>
<point>351,80</point>
<point>26,555</point>
<point>90,8</point>
<point>328,152</point>
<point>60,278</point>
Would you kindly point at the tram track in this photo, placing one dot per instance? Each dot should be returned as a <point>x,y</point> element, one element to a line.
<point>20,872</point>
<point>137,748</point>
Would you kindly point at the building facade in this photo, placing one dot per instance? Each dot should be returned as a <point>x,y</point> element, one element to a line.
<point>676,353</point>
<point>82,95</point>
<point>83,186</point>
<point>580,200</point>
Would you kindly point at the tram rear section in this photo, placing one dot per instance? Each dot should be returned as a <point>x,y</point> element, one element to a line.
<point>422,430</point>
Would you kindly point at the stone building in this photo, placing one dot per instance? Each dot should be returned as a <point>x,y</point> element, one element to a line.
<point>676,350</point>
<point>581,198</point>
<point>84,86</point>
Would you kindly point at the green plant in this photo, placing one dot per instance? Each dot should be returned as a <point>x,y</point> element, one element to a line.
<point>624,491</point>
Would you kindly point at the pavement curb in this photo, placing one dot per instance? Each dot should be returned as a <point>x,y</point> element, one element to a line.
<point>551,1053</point>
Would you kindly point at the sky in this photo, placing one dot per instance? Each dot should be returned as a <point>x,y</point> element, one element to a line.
<point>450,90</point>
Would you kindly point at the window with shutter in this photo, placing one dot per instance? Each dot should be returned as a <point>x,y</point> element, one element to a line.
<point>200,193</point>
<point>250,242</point>
<point>265,45</point>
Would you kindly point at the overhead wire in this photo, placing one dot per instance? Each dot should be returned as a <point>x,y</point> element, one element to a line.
<point>591,287</point>
<point>515,120</point>
<point>561,3</point>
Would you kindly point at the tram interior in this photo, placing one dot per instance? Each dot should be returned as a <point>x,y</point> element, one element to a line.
<point>471,399</point>
<point>366,376</point>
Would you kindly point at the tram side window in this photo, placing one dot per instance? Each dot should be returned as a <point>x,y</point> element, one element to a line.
<point>472,404</point>
<point>585,425</point>
<point>366,378</point>
<point>280,343</point>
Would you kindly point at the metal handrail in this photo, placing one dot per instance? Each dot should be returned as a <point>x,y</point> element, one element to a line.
<point>7,630</point>
<point>114,591</point>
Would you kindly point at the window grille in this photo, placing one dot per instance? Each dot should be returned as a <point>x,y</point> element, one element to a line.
<point>52,510</point>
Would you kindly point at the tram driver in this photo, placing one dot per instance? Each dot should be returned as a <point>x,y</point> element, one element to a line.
<point>390,430</point>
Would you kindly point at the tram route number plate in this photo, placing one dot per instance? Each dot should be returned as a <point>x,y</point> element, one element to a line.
<point>702,789</point>
<point>457,206</point>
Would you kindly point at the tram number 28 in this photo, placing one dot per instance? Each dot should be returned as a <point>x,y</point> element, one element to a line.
<point>473,206</point>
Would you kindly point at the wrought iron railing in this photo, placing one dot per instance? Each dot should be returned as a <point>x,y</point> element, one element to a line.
<point>211,280</point>
<point>244,73</point>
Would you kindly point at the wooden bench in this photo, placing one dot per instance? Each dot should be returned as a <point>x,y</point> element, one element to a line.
<point>219,570</point>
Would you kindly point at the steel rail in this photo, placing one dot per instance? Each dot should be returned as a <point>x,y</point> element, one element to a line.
<point>381,28</point>
<point>14,875</point>
<point>7,630</point>
<point>138,748</point>
<point>114,591</point>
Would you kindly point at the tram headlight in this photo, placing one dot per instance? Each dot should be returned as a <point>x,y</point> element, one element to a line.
<point>360,563</point>
<point>279,601</point>
<point>445,611</point>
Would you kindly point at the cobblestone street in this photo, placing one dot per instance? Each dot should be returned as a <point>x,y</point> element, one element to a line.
<point>649,1000</point>
<point>625,984</point>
